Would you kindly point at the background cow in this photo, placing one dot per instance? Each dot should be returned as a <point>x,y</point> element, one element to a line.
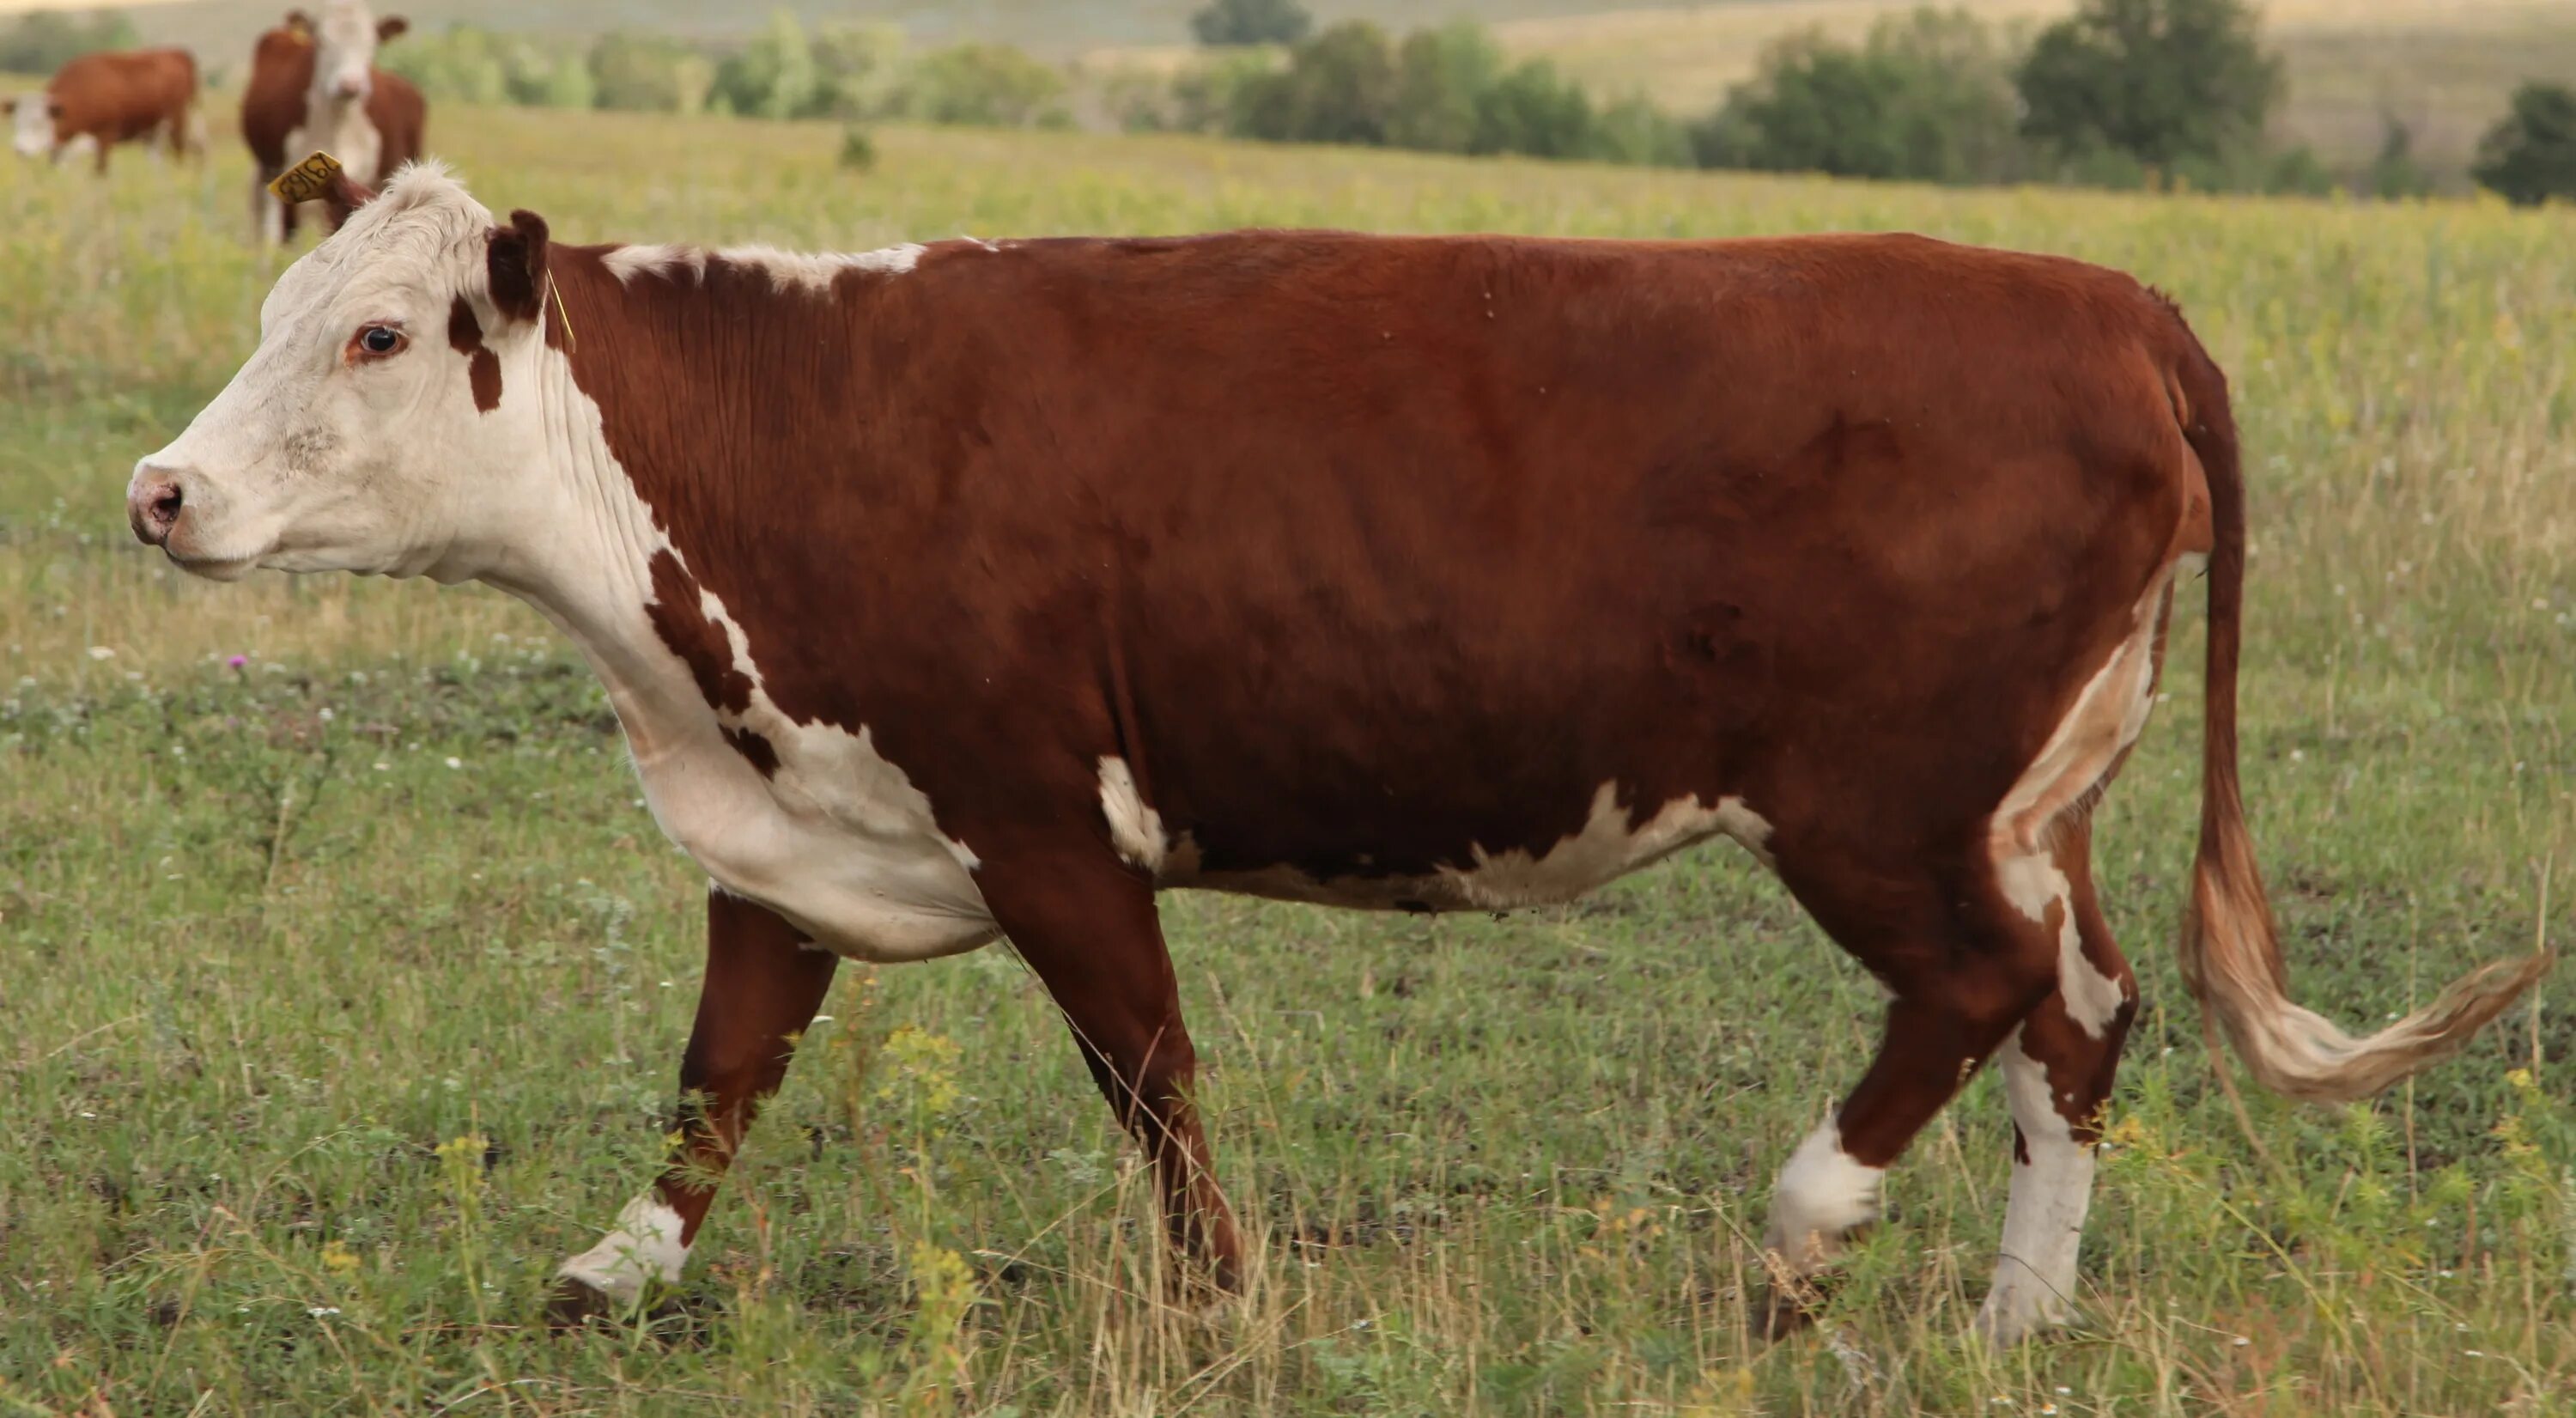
<point>314,85</point>
<point>126,96</point>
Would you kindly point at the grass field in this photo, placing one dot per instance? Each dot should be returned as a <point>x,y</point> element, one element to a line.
<point>345,977</point>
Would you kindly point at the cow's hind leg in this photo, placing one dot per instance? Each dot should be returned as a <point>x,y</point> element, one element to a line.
<point>2058,1069</point>
<point>1962,977</point>
<point>764,982</point>
<point>1086,924</point>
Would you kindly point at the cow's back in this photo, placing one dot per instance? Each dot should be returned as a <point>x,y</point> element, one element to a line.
<point>117,95</point>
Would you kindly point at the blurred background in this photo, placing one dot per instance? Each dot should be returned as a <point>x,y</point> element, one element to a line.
<point>2383,97</point>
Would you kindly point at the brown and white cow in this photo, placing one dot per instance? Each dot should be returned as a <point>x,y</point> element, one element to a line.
<point>112,97</point>
<point>314,85</point>
<point>971,590</point>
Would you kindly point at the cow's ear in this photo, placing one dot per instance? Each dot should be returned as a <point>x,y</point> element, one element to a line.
<point>9,106</point>
<point>299,22</point>
<point>348,193</point>
<point>390,26</point>
<point>517,260</point>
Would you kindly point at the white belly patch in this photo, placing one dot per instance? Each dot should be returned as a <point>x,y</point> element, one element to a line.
<point>1609,845</point>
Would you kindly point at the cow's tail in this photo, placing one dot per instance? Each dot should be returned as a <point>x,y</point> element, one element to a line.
<point>2231,948</point>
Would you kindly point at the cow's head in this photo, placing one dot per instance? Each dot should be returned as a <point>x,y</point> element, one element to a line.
<point>31,123</point>
<point>370,431</point>
<point>344,49</point>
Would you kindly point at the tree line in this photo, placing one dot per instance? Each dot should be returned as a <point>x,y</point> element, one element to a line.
<point>2122,93</point>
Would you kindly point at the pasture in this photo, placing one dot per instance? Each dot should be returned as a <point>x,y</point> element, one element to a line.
<point>345,977</point>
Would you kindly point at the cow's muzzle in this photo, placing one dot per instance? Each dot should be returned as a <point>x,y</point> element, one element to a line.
<point>153,502</point>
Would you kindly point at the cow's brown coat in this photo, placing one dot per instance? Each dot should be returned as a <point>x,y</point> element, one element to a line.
<point>1370,557</point>
<point>123,96</point>
<point>1373,561</point>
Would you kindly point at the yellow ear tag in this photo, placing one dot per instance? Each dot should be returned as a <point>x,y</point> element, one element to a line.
<point>307,181</point>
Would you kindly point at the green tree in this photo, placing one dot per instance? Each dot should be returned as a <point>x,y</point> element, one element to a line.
<point>460,64</point>
<point>1536,111</point>
<point>1231,22</point>
<point>1634,131</point>
<point>2530,155</point>
<point>1927,97</point>
<point>1813,106</point>
<point>993,85</point>
<point>2394,173</point>
<point>1441,74</point>
<point>648,74</point>
<point>45,40</point>
<point>854,69</point>
<point>774,75</point>
<point>2161,81</point>
<point>1206,97</point>
<point>569,84</point>
<point>1952,110</point>
<point>1339,87</point>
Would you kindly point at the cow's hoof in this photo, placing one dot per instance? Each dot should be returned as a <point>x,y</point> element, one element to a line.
<point>575,1304</point>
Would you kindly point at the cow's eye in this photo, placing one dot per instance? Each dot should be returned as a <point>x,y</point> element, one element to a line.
<point>377,341</point>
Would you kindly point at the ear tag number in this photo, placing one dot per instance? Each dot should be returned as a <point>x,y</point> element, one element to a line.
<point>307,181</point>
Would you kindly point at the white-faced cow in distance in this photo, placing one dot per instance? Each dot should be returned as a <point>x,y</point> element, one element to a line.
<point>973,590</point>
<point>100,100</point>
<point>314,85</point>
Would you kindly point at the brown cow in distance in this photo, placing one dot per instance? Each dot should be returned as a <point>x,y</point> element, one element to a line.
<point>121,96</point>
<point>314,85</point>
<point>985,589</point>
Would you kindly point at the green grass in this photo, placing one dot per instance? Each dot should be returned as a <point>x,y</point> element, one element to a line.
<point>274,937</point>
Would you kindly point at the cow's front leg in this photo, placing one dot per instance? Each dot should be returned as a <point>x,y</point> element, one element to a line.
<point>764,982</point>
<point>1085,922</point>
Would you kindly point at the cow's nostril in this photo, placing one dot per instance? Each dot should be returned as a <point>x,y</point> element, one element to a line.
<point>153,506</point>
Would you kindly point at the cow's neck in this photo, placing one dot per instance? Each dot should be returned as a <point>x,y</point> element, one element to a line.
<point>339,126</point>
<point>582,552</point>
<point>586,565</point>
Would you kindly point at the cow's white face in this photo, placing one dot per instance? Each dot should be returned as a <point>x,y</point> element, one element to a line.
<point>353,439</point>
<point>344,52</point>
<point>31,125</point>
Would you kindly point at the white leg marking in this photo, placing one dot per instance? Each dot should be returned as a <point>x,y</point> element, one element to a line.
<point>2108,715</point>
<point>2035,1282</point>
<point>2032,882</point>
<point>1135,829</point>
<point>1822,1193</point>
<point>646,1245</point>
